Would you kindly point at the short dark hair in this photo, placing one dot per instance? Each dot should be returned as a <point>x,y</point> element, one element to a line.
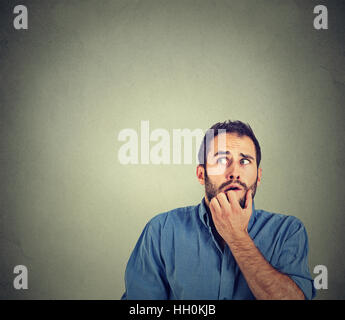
<point>238,127</point>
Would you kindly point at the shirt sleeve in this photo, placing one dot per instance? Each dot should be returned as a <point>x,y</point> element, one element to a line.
<point>293,259</point>
<point>145,277</point>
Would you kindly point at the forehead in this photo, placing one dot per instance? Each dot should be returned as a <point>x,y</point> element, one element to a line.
<point>233,143</point>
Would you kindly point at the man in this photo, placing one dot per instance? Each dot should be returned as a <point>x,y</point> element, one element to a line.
<point>223,248</point>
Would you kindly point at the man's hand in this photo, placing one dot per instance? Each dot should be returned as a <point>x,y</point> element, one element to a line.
<point>230,220</point>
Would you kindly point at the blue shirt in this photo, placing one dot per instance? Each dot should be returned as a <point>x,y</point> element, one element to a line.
<point>178,257</point>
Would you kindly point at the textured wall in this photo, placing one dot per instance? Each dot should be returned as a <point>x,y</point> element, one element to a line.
<point>85,70</point>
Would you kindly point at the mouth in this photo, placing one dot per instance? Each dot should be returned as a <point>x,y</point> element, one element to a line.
<point>233,188</point>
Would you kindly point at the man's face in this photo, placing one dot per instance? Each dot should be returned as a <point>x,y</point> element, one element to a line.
<point>231,165</point>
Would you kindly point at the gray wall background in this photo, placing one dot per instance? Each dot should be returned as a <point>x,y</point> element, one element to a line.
<point>85,70</point>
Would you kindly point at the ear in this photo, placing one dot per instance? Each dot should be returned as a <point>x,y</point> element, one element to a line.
<point>200,174</point>
<point>259,176</point>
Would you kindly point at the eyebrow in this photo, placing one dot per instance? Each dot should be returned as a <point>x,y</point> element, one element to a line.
<point>247,156</point>
<point>221,152</point>
<point>228,152</point>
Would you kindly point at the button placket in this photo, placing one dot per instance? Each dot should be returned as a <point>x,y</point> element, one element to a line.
<point>227,276</point>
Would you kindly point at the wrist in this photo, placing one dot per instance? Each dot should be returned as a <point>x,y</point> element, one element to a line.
<point>239,238</point>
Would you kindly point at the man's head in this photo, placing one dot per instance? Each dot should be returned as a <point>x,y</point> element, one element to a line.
<point>229,158</point>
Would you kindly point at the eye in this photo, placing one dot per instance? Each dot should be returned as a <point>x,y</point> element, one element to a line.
<point>245,161</point>
<point>222,161</point>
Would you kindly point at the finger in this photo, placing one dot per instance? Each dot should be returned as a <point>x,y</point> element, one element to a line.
<point>233,200</point>
<point>216,212</point>
<point>215,207</point>
<point>249,200</point>
<point>223,201</point>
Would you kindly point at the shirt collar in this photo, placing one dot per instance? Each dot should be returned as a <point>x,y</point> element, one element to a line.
<point>204,219</point>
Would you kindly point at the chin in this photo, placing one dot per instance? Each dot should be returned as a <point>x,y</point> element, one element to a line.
<point>239,195</point>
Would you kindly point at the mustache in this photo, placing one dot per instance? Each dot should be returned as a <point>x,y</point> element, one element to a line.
<point>233,181</point>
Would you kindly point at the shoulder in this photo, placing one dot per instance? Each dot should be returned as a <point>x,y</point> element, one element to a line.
<point>173,218</point>
<point>282,223</point>
<point>278,235</point>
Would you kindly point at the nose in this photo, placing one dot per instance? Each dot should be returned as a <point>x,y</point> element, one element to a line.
<point>233,172</point>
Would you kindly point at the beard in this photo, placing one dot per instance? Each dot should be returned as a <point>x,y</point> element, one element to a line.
<point>212,190</point>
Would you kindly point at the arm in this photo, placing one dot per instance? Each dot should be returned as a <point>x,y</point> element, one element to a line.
<point>264,281</point>
<point>231,222</point>
<point>145,277</point>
